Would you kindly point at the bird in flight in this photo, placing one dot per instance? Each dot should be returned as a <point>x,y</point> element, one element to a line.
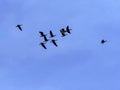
<point>19,27</point>
<point>43,45</point>
<point>45,39</point>
<point>62,31</point>
<point>54,42</point>
<point>68,29</point>
<point>103,41</point>
<point>51,34</point>
<point>42,34</point>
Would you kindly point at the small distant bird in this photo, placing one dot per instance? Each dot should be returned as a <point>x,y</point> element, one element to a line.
<point>19,27</point>
<point>45,39</point>
<point>43,45</point>
<point>42,34</point>
<point>68,29</point>
<point>54,42</point>
<point>63,32</point>
<point>103,41</point>
<point>51,34</point>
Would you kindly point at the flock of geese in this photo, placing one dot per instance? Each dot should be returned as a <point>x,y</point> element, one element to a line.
<point>53,41</point>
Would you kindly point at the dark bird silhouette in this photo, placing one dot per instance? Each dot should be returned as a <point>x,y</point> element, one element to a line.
<point>19,27</point>
<point>103,41</point>
<point>51,34</point>
<point>54,42</point>
<point>43,45</point>
<point>45,39</point>
<point>68,29</point>
<point>63,32</point>
<point>42,34</point>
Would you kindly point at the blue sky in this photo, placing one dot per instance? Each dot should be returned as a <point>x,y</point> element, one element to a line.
<point>79,62</point>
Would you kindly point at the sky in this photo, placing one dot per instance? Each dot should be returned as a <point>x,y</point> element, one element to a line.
<point>80,62</point>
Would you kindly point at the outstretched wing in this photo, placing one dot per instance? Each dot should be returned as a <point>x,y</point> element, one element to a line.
<point>51,34</point>
<point>19,27</point>
<point>43,45</point>
<point>68,29</point>
<point>62,32</point>
<point>45,39</point>
<point>54,42</point>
